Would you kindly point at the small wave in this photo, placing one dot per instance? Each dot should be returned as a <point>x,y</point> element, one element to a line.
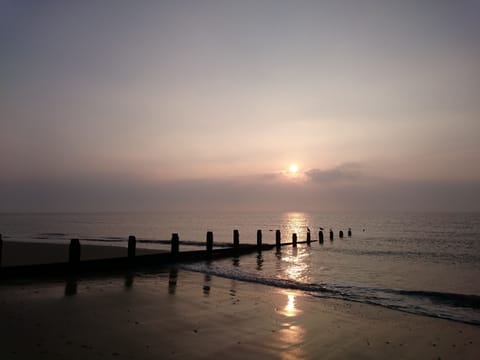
<point>250,277</point>
<point>105,240</point>
<point>457,307</point>
<point>452,299</point>
<point>439,256</point>
<point>53,234</point>
<point>48,236</point>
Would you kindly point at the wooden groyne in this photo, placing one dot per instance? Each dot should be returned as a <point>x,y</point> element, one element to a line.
<point>133,262</point>
<point>114,265</point>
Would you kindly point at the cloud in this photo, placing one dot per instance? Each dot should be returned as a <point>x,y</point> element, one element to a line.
<point>344,173</point>
<point>343,188</point>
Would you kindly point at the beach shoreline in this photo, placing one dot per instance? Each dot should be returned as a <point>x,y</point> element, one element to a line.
<point>180,314</point>
<point>17,253</point>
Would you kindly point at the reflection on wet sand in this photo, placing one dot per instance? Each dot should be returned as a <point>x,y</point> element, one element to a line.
<point>172,281</point>
<point>291,336</point>
<point>289,309</point>
<point>71,286</point>
<point>233,291</point>
<point>129,276</point>
<point>206,285</point>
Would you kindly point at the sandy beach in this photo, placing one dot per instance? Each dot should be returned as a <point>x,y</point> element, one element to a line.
<point>177,314</point>
<point>28,253</point>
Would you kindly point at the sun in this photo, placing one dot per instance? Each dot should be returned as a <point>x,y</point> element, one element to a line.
<point>293,168</point>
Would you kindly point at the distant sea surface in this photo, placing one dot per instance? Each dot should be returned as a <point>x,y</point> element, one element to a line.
<point>421,263</point>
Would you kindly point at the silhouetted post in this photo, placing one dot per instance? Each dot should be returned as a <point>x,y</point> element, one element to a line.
<point>259,239</point>
<point>331,235</point>
<point>1,246</point>
<point>132,243</point>
<point>340,234</point>
<point>236,239</point>
<point>74,252</point>
<point>320,237</point>
<point>349,232</point>
<point>209,242</point>
<point>278,239</point>
<point>294,239</point>
<point>175,246</point>
<point>309,239</point>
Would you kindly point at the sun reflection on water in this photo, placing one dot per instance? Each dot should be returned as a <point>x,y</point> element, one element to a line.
<point>295,262</point>
<point>295,222</point>
<point>295,265</point>
<point>297,268</point>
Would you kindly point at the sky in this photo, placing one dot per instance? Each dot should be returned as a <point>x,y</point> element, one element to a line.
<point>193,105</point>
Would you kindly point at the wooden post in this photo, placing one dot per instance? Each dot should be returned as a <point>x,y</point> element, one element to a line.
<point>320,237</point>
<point>209,242</point>
<point>132,243</point>
<point>309,239</point>
<point>74,252</point>
<point>340,234</point>
<point>278,239</point>
<point>294,240</point>
<point>175,245</point>
<point>259,239</point>
<point>331,235</point>
<point>1,246</point>
<point>236,239</point>
<point>349,232</point>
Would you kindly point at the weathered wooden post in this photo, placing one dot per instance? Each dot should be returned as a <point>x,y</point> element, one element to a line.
<point>175,245</point>
<point>309,238</point>
<point>236,240</point>
<point>320,237</point>
<point>294,240</point>
<point>278,239</point>
<point>209,242</point>
<point>349,232</point>
<point>74,253</point>
<point>340,234</point>
<point>1,246</point>
<point>331,235</point>
<point>132,244</point>
<point>259,239</point>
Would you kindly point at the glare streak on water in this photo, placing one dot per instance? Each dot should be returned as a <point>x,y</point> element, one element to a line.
<point>421,263</point>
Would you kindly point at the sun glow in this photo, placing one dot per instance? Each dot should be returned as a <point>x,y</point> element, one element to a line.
<point>294,173</point>
<point>293,168</point>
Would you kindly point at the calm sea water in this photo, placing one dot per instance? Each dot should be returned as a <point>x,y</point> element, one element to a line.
<point>419,263</point>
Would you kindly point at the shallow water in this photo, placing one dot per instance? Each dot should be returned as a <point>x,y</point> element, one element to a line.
<point>420,263</point>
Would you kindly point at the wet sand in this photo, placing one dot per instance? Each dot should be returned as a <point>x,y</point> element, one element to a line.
<point>28,253</point>
<point>178,314</point>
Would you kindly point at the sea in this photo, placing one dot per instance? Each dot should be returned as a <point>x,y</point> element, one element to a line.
<point>421,263</point>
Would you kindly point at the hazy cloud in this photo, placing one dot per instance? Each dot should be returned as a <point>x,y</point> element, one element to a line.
<point>241,194</point>
<point>343,173</point>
